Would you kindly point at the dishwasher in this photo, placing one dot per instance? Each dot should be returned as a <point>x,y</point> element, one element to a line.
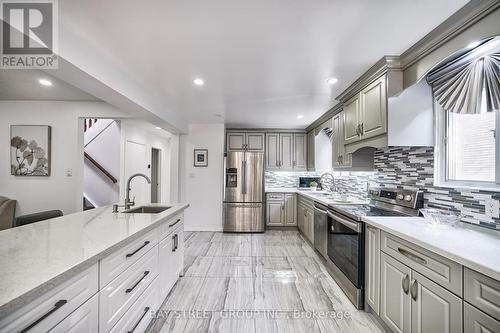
<point>321,229</point>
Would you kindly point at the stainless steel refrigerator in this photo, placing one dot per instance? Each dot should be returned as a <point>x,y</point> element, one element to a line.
<point>244,192</point>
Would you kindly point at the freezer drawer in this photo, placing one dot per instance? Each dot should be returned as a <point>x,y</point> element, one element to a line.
<point>243,217</point>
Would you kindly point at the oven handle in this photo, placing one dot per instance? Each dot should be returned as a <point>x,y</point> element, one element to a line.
<point>320,210</point>
<point>351,225</point>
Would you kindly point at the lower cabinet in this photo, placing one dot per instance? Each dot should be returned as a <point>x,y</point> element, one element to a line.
<point>281,209</point>
<point>82,320</point>
<point>372,267</point>
<point>305,218</point>
<point>476,321</point>
<point>171,261</point>
<point>410,302</point>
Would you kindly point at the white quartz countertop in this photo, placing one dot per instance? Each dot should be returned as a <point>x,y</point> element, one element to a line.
<point>314,195</point>
<point>36,257</point>
<point>474,247</point>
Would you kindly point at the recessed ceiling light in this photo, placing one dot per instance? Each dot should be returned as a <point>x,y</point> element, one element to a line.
<point>45,82</point>
<point>332,80</point>
<point>473,45</point>
<point>218,115</point>
<point>198,82</point>
<point>300,116</point>
<point>157,127</point>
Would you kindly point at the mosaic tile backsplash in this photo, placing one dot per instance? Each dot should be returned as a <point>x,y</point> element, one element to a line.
<point>405,168</point>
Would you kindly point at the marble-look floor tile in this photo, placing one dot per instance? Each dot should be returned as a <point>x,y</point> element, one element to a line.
<point>278,294</point>
<point>312,295</point>
<point>198,267</point>
<point>288,325</point>
<point>306,267</point>
<point>273,267</point>
<point>230,249</point>
<point>221,237</point>
<point>240,295</point>
<point>268,250</point>
<point>197,249</point>
<point>231,267</point>
<point>205,236</point>
<point>227,323</point>
<point>212,294</point>
<point>184,294</point>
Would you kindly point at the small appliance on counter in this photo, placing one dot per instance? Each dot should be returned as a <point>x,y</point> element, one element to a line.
<point>345,239</point>
<point>305,182</point>
<point>244,192</point>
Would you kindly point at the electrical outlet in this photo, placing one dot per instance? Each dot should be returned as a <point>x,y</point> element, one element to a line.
<point>492,208</point>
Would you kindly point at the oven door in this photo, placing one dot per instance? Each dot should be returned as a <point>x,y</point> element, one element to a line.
<point>345,247</point>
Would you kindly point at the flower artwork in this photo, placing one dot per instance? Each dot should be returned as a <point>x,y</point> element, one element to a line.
<point>30,150</point>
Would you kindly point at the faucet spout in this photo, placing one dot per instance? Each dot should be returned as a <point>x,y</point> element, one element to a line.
<point>129,203</point>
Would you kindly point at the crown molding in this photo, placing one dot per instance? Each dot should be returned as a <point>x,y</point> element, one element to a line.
<point>327,115</point>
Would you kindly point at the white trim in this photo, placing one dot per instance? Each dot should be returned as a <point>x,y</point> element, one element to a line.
<point>440,152</point>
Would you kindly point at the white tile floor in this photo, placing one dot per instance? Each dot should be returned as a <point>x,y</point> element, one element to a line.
<point>271,282</point>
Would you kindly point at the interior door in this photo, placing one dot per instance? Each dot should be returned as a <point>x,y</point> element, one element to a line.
<point>374,109</point>
<point>395,301</point>
<point>253,174</point>
<point>136,161</point>
<point>234,168</point>
<point>351,120</point>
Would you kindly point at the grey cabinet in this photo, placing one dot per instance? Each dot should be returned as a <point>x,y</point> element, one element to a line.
<point>275,212</point>
<point>372,267</point>
<point>476,321</point>
<point>373,111</point>
<point>395,302</point>
<point>290,210</point>
<point>281,209</point>
<point>286,151</point>
<point>433,308</point>
<point>483,292</point>
<point>339,157</point>
<point>305,218</point>
<point>252,141</point>
<point>300,151</point>
<point>352,119</point>
<point>310,150</point>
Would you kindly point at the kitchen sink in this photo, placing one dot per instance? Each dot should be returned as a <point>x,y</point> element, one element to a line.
<point>147,210</point>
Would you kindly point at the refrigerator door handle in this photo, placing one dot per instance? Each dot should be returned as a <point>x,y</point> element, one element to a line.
<point>244,177</point>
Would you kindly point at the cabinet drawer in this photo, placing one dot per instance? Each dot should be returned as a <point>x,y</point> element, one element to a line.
<point>476,321</point>
<point>117,297</point>
<point>172,224</point>
<point>443,271</point>
<point>48,310</point>
<point>117,262</point>
<point>85,319</point>
<point>137,318</point>
<point>483,292</point>
<point>275,196</point>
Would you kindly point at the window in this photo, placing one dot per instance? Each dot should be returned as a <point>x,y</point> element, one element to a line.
<point>469,148</point>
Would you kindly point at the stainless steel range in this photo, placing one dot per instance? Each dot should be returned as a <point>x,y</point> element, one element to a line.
<point>345,240</point>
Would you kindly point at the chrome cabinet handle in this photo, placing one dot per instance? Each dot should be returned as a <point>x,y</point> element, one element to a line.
<point>406,284</point>
<point>137,283</point>
<point>361,128</point>
<point>412,256</point>
<point>146,309</point>
<point>414,290</point>
<point>56,307</point>
<point>128,255</point>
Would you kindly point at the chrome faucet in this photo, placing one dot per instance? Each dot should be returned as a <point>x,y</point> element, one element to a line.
<point>129,203</point>
<point>333,188</point>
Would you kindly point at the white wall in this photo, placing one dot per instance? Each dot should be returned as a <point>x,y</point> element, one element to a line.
<point>202,188</point>
<point>135,133</point>
<point>58,191</point>
<point>322,152</point>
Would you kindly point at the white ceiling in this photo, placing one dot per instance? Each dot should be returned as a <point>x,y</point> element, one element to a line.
<point>23,85</point>
<point>263,62</point>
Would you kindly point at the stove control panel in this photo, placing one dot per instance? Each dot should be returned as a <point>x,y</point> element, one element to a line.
<point>407,198</point>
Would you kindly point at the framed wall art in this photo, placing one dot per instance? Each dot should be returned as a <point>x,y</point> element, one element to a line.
<point>30,150</point>
<point>201,157</point>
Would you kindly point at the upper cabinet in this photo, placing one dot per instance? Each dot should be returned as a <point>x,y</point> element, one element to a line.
<point>351,121</point>
<point>252,141</point>
<point>310,150</point>
<point>286,151</point>
<point>373,111</point>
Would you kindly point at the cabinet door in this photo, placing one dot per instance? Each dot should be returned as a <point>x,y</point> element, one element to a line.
<point>476,321</point>
<point>337,140</point>
<point>179,253</point>
<point>286,151</point>
<point>351,120</point>
<point>433,308</point>
<point>167,261</point>
<point>85,319</point>
<point>395,301</point>
<point>235,141</point>
<point>255,141</point>
<point>374,109</point>
<point>290,209</point>
<point>275,213</point>
<point>300,151</point>
<point>300,217</point>
<point>372,270</point>
<point>310,150</point>
<point>309,224</point>
<point>272,151</point>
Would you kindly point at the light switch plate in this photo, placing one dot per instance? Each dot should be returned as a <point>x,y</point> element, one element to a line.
<point>492,208</point>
